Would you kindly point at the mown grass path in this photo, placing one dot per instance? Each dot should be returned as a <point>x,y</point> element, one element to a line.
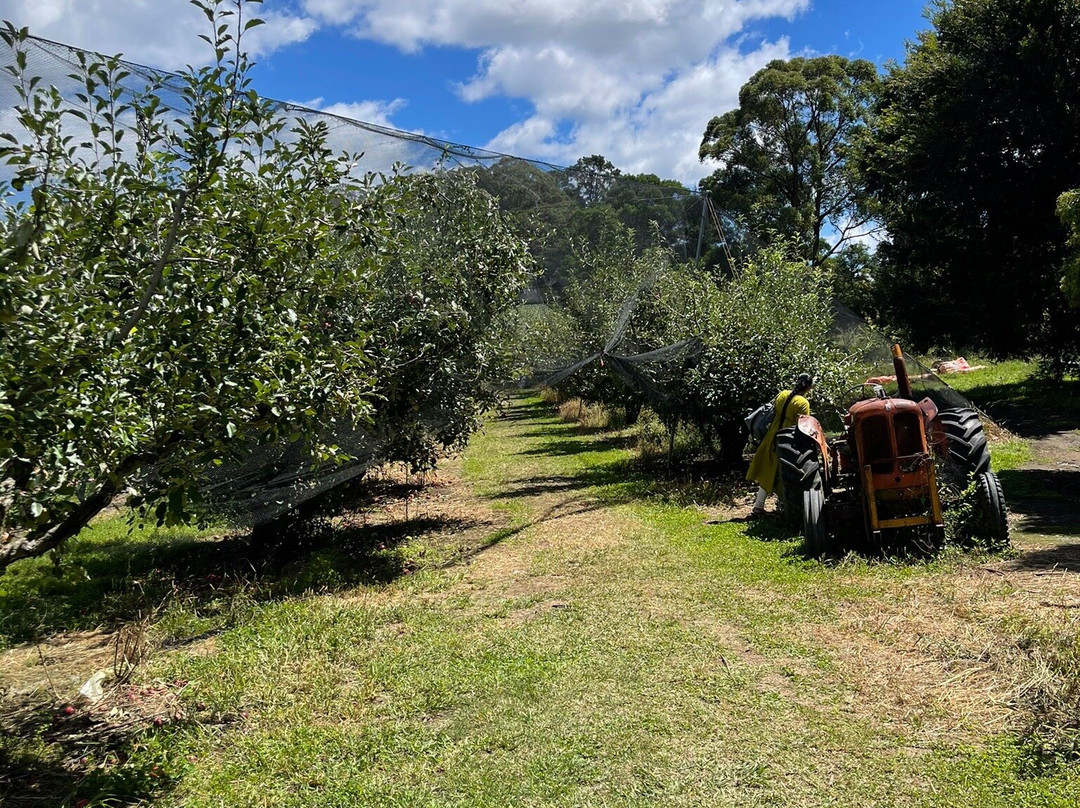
<point>609,649</point>
<point>559,635</point>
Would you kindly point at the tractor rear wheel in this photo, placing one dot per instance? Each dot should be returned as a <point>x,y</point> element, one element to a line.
<point>967,440</point>
<point>813,518</point>
<point>799,459</point>
<point>801,485</point>
<point>991,514</point>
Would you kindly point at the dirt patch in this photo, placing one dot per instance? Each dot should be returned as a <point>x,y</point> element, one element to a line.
<point>483,540</point>
<point>1057,450</point>
<point>1044,493</point>
<point>393,496</point>
<point>83,673</point>
<point>943,655</point>
<point>912,675</point>
<point>69,692</point>
<point>55,669</point>
<point>736,511</point>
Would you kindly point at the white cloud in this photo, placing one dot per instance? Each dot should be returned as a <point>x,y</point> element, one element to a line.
<point>376,112</point>
<point>381,152</point>
<point>658,134</point>
<point>159,33</point>
<point>280,30</point>
<point>635,80</point>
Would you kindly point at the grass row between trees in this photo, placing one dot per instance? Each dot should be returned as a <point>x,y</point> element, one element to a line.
<point>550,626</point>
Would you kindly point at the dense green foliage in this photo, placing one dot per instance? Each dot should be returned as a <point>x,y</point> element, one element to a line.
<point>569,213</point>
<point>448,274</point>
<point>759,326</point>
<point>975,138</point>
<point>785,153</point>
<point>175,292</point>
<point>1069,211</point>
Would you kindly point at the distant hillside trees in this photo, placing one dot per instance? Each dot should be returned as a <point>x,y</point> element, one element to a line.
<point>974,139</point>
<point>568,215</point>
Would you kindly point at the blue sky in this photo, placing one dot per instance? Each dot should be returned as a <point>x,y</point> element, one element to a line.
<point>635,80</point>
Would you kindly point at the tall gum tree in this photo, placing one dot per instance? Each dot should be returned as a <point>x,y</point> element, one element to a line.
<point>785,152</point>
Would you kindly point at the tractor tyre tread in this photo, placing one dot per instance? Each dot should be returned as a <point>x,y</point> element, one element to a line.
<point>992,512</point>
<point>967,440</point>
<point>799,464</point>
<point>815,534</point>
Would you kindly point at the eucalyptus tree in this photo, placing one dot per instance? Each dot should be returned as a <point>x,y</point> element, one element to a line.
<point>785,153</point>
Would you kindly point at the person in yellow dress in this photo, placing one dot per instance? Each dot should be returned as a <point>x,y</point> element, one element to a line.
<point>790,404</point>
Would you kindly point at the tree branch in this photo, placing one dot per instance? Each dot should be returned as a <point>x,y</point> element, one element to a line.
<point>159,265</point>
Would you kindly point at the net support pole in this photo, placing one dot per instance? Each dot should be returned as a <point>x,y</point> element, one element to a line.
<point>701,227</point>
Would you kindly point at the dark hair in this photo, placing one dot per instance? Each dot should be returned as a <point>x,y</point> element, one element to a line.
<point>803,382</point>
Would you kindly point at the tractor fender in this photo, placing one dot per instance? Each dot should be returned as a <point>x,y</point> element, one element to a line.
<point>799,446</point>
<point>808,427</point>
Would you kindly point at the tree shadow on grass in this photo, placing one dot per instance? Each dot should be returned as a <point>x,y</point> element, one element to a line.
<point>564,447</point>
<point>1046,500</point>
<point>570,428</point>
<point>111,582</point>
<point>526,410</point>
<point>557,484</point>
<point>1033,407</point>
<point>1061,558</point>
<point>621,482</point>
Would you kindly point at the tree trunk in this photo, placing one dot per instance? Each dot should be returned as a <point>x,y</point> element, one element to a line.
<point>36,544</point>
<point>29,546</point>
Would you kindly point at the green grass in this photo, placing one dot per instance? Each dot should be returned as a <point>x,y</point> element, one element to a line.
<point>1009,454</point>
<point>994,375</point>
<point>609,648</point>
<point>1014,392</point>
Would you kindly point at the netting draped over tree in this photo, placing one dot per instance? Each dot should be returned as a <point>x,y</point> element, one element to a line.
<point>562,209</point>
<point>400,261</point>
<point>154,172</point>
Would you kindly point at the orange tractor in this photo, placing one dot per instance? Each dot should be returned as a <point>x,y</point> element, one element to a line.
<point>885,470</point>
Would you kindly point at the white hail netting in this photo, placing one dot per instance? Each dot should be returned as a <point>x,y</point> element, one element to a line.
<point>275,479</point>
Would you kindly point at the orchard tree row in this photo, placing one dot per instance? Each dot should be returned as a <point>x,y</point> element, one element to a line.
<point>176,289</point>
<point>753,329</point>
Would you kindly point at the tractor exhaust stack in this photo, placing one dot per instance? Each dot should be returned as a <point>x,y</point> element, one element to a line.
<point>903,383</point>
